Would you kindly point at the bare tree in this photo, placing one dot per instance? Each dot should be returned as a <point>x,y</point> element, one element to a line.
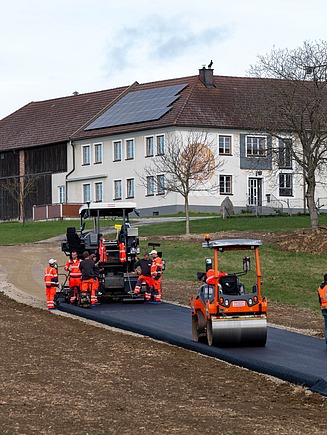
<point>187,165</point>
<point>19,188</point>
<point>293,104</point>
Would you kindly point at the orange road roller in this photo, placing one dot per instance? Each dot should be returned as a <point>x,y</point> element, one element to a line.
<point>228,309</point>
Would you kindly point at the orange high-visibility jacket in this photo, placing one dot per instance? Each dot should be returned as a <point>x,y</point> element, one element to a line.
<point>210,276</point>
<point>102,252</point>
<point>122,253</point>
<point>50,276</point>
<point>156,268</point>
<point>322,292</point>
<point>75,270</point>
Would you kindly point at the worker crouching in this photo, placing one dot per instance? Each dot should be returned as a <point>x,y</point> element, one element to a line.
<point>51,283</point>
<point>143,269</point>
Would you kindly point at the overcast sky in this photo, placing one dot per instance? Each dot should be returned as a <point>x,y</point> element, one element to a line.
<point>51,48</point>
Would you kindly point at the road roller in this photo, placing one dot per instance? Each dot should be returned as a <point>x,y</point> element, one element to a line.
<point>228,309</point>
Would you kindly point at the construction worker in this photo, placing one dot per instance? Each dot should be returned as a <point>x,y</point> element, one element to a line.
<point>156,274</point>
<point>87,267</point>
<point>96,279</point>
<point>210,276</point>
<point>51,283</point>
<point>143,269</point>
<point>322,295</point>
<point>102,250</point>
<point>72,267</point>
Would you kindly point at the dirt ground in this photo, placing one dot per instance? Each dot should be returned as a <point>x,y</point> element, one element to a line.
<point>62,375</point>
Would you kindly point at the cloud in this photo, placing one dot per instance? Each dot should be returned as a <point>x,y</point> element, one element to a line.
<point>158,39</point>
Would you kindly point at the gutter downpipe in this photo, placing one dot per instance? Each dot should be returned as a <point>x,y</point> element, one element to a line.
<point>71,143</point>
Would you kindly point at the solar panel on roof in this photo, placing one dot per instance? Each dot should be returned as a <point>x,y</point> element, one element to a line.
<point>139,106</point>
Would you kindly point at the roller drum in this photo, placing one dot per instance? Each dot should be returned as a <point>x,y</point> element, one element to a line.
<point>238,332</point>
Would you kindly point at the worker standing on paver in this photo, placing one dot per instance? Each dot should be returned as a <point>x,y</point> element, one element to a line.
<point>322,294</point>
<point>102,250</point>
<point>156,274</point>
<point>51,283</point>
<point>75,274</point>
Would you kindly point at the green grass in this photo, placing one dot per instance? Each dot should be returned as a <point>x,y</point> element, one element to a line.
<point>216,224</point>
<point>287,277</point>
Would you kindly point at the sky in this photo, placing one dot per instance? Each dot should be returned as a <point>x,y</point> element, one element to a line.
<point>52,48</point>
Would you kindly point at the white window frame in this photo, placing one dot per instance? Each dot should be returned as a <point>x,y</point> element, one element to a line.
<point>130,188</point>
<point>86,192</point>
<point>118,190</point>
<point>98,155</point>
<point>285,183</point>
<point>150,185</point>
<point>160,144</point>
<point>62,194</point>
<point>225,184</point>
<point>98,191</point>
<point>225,148</point>
<point>149,146</point>
<point>256,146</point>
<point>130,149</point>
<point>86,155</point>
<point>117,146</point>
<point>160,184</point>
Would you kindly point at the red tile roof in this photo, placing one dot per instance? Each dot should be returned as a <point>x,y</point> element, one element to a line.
<point>52,121</point>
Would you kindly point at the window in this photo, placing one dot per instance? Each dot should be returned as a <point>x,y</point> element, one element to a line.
<point>98,153</point>
<point>160,184</point>
<point>129,149</point>
<point>117,189</point>
<point>130,187</point>
<point>98,192</point>
<point>149,146</point>
<point>285,185</point>
<point>225,184</point>
<point>117,150</point>
<point>284,153</point>
<point>62,194</point>
<point>150,186</point>
<point>256,146</point>
<point>225,144</point>
<point>86,193</point>
<point>160,144</point>
<point>86,155</point>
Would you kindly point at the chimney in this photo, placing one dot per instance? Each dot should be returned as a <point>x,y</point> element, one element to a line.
<point>206,77</point>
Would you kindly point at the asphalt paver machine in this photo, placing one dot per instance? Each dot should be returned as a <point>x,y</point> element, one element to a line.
<point>117,280</point>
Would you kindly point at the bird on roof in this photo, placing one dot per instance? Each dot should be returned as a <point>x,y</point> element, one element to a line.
<point>210,64</point>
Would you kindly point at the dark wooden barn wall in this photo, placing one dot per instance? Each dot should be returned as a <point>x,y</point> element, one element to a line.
<point>39,161</point>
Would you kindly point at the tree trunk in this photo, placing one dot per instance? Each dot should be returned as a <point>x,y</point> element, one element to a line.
<point>311,203</point>
<point>187,217</point>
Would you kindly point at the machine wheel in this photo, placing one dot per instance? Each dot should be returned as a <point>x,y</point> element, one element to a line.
<point>199,328</point>
<point>209,332</point>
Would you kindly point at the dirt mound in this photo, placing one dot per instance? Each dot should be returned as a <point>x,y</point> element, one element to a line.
<point>312,241</point>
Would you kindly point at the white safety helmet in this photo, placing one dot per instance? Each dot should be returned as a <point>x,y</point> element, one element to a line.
<point>153,252</point>
<point>52,261</point>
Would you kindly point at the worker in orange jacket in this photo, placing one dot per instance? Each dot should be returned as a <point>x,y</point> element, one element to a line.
<point>156,274</point>
<point>75,275</point>
<point>210,276</point>
<point>51,283</point>
<point>322,295</point>
<point>102,250</point>
<point>143,269</point>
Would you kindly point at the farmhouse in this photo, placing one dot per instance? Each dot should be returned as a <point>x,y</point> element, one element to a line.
<point>95,146</point>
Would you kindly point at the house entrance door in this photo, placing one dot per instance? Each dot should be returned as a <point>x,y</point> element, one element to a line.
<point>255,193</point>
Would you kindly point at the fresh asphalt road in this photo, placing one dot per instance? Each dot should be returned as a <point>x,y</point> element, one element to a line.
<point>287,355</point>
